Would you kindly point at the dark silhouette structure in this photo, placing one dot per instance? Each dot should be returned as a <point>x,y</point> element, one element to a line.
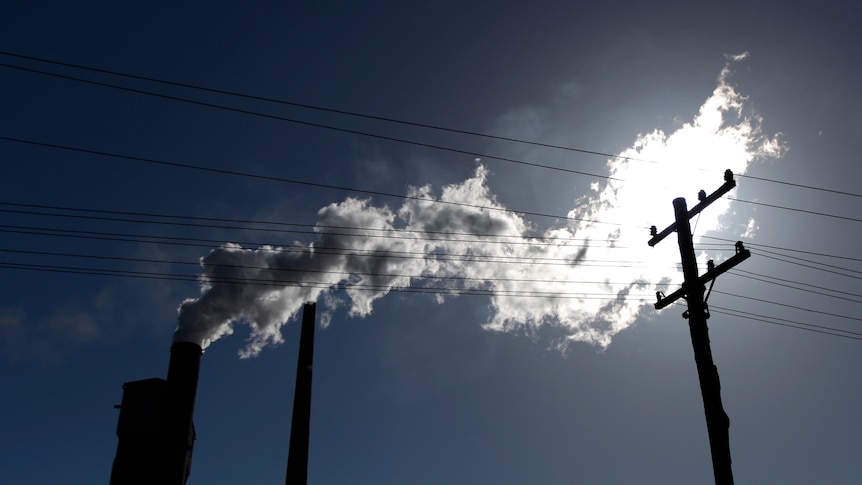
<point>155,430</point>
<point>139,449</point>
<point>297,457</point>
<point>717,422</point>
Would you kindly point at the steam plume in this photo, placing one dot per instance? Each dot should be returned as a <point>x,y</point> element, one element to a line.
<point>588,276</point>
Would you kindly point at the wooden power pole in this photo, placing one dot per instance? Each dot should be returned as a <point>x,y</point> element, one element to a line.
<point>717,422</point>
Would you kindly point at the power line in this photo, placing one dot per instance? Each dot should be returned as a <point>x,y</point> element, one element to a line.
<point>422,290</point>
<point>266,222</point>
<point>802,186</point>
<point>363,235</point>
<point>310,284</point>
<point>786,305</point>
<point>313,124</point>
<point>349,251</point>
<point>767,279</point>
<point>809,285</point>
<point>799,261</point>
<point>400,234</point>
<point>786,323</point>
<point>361,133</point>
<point>321,108</point>
<point>810,327</point>
<point>391,233</point>
<point>775,206</point>
<point>473,257</point>
<point>495,279</point>
<point>293,181</point>
<point>812,266</point>
<point>805,260</point>
<point>365,116</point>
<point>803,211</point>
<point>751,244</point>
<point>351,189</point>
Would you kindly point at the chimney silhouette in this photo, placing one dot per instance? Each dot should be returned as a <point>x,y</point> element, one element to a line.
<point>297,456</point>
<point>180,392</point>
<point>155,430</point>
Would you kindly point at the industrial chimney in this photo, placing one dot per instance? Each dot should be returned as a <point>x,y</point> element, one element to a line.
<point>155,430</point>
<point>180,392</point>
<point>297,457</point>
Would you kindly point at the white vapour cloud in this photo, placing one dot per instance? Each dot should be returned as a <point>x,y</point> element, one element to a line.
<point>736,57</point>
<point>591,276</point>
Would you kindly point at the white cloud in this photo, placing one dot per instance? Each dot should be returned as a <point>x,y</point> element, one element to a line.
<point>750,229</point>
<point>736,57</point>
<point>591,277</point>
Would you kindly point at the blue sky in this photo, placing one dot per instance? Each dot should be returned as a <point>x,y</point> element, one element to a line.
<point>556,371</point>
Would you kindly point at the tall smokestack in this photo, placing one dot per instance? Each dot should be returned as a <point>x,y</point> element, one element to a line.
<point>180,392</point>
<point>155,429</point>
<point>297,457</point>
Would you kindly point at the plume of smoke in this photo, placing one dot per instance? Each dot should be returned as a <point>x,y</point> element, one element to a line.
<point>593,279</point>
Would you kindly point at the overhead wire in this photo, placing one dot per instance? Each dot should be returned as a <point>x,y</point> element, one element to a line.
<point>747,316</point>
<point>366,116</point>
<point>314,229</point>
<point>742,272</point>
<point>317,108</point>
<point>164,276</point>
<point>294,181</point>
<point>787,305</point>
<point>355,132</point>
<point>753,244</point>
<point>473,257</point>
<point>260,222</point>
<point>471,153</point>
<point>341,285</point>
<point>353,189</point>
<point>765,252</point>
<point>390,233</point>
<point>794,209</point>
<point>772,281</point>
<point>754,317</point>
<point>818,266</point>
<point>431,146</point>
<point>395,233</point>
<point>340,251</point>
<point>127,259</point>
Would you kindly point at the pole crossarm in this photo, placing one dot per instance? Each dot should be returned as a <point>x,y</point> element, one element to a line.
<point>705,200</point>
<point>741,255</point>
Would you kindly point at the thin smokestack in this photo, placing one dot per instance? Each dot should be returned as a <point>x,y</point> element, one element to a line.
<point>180,393</point>
<point>297,458</point>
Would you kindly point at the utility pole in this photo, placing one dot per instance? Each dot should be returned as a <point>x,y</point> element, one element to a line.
<point>717,422</point>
